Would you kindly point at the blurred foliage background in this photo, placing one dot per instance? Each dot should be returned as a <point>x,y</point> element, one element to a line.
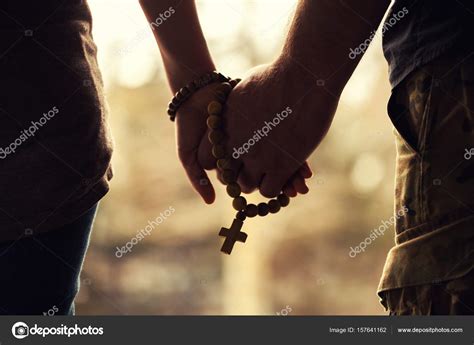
<point>297,258</point>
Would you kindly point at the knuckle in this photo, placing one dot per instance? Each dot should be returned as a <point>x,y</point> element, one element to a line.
<point>246,187</point>
<point>269,192</point>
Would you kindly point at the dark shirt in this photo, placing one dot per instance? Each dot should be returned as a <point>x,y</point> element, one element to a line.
<point>55,149</point>
<point>417,31</point>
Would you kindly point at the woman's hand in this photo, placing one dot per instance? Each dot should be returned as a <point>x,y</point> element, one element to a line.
<point>191,130</point>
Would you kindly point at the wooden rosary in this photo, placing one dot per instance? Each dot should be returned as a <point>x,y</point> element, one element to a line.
<point>224,162</point>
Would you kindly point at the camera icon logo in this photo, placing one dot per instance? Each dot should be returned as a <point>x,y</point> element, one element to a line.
<point>20,330</point>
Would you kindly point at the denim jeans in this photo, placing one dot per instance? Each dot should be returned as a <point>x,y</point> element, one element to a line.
<point>40,273</point>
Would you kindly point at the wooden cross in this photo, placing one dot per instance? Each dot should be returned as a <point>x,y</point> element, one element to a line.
<point>232,235</point>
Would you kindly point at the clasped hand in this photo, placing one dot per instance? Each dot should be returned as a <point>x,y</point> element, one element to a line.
<point>274,120</point>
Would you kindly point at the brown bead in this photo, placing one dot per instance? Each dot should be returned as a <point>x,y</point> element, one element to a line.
<point>239,203</point>
<point>241,215</point>
<point>262,209</point>
<point>251,210</point>
<point>214,122</point>
<point>192,86</point>
<point>221,96</point>
<point>223,163</point>
<point>216,136</point>
<point>185,91</point>
<point>283,200</point>
<point>273,206</point>
<point>233,189</point>
<point>218,151</point>
<point>180,97</point>
<point>214,108</point>
<point>234,82</point>
<point>214,75</point>
<point>229,176</point>
<point>175,102</point>
<point>225,88</point>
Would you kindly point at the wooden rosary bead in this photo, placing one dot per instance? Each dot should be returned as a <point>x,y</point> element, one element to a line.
<point>229,176</point>
<point>216,136</point>
<point>233,190</point>
<point>225,88</point>
<point>234,82</point>
<point>214,108</point>
<point>221,96</point>
<point>262,209</point>
<point>180,97</point>
<point>273,206</point>
<point>283,200</point>
<point>218,151</point>
<point>241,215</point>
<point>185,91</point>
<point>192,87</point>
<point>251,210</point>
<point>214,122</point>
<point>224,163</point>
<point>174,103</point>
<point>239,203</point>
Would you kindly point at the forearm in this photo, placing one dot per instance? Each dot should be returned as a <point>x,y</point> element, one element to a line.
<point>323,32</point>
<point>180,39</point>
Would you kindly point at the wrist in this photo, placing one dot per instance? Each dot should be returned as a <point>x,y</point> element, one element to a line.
<point>303,69</point>
<point>181,75</point>
<point>317,97</point>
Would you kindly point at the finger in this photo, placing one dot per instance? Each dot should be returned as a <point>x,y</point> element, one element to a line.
<point>299,184</point>
<point>248,179</point>
<point>219,177</point>
<point>198,177</point>
<point>289,190</point>
<point>272,184</point>
<point>205,157</point>
<point>305,170</point>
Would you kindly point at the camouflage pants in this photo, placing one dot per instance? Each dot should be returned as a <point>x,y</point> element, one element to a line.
<point>430,269</point>
<point>454,297</point>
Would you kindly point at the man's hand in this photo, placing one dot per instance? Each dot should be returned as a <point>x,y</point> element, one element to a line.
<point>317,46</point>
<point>275,118</point>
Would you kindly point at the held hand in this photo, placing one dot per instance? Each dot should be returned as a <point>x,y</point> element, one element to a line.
<point>191,131</point>
<point>191,128</point>
<point>275,118</point>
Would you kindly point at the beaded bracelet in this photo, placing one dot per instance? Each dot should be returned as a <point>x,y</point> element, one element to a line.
<point>185,92</point>
<point>215,123</point>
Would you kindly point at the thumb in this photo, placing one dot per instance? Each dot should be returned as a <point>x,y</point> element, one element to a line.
<point>197,176</point>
